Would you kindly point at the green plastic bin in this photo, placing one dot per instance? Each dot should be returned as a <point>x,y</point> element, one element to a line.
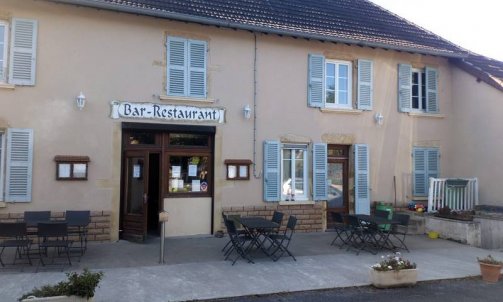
<point>381,206</point>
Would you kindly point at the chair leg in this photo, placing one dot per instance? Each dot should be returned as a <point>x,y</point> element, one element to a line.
<point>1,252</point>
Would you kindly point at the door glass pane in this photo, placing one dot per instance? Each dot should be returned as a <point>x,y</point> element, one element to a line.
<point>135,183</point>
<point>188,174</point>
<point>335,188</point>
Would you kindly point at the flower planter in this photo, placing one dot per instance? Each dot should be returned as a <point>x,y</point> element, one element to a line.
<point>59,299</point>
<point>387,279</point>
<point>490,272</point>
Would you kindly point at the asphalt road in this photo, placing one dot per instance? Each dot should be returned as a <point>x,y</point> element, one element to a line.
<point>460,290</point>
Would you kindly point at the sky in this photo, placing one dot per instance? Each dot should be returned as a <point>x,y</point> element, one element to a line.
<point>473,25</point>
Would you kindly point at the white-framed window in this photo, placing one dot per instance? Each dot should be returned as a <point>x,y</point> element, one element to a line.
<point>186,67</point>
<point>290,169</point>
<point>338,79</point>
<point>4,42</point>
<point>418,90</point>
<point>330,83</point>
<point>18,51</point>
<point>294,171</point>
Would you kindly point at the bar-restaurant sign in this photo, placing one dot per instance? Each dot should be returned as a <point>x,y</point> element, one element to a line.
<point>166,112</point>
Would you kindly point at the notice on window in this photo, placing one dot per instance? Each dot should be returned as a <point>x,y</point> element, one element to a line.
<point>136,171</point>
<point>192,170</point>
<point>196,185</point>
<point>243,171</point>
<point>64,170</point>
<point>176,171</point>
<point>180,184</point>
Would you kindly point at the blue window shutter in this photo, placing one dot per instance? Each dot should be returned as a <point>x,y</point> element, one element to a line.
<point>433,157</point>
<point>316,78</point>
<point>419,179</point>
<point>431,90</point>
<point>365,85</point>
<point>320,190</point>
<point>177,67</point>
<point>404,87</point>
<point>362,182</point>
<point>23,54</point>
<point>197,68</point>
<point>19,165</point>
<point>272,171</point>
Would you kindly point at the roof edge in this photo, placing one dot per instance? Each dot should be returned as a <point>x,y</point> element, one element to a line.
<point>477,73</point>
<point>208,21</point>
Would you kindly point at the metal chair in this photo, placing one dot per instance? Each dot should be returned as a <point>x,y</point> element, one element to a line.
<point>399,231</point>
<point>342,230</point>
<point>53,235</point>
<point>361,237</point>
<point>238,243</point>
<point>240,232</point>
<point>15,237</point>
<point>78,222</point>
<point>277,217</point>
<point>280,242</point>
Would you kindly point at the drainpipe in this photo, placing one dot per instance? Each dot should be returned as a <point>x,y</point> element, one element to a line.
<point>256,174</point>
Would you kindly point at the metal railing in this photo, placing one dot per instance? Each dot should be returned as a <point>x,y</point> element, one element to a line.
<point>456,197</point>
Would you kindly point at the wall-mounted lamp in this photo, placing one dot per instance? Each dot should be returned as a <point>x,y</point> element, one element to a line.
<point>81,101</point>
<point>379,118</point>
<point>247,111</point>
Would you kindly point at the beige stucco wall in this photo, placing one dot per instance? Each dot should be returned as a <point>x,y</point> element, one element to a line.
<point>114,56</point>
<point>188,216</point>
<point>476,135</point>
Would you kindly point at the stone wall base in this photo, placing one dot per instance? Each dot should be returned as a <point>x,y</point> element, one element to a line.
<point>98,229</point>
<point>309,217</point>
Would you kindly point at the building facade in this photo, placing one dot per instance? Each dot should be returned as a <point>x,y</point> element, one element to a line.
<point>195,119</point>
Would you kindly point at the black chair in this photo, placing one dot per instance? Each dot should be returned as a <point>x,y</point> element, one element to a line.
<point>15,237</point>
<point>277,217</point>
<point>53,235</point>
<point>399,231</point>
<point>240,232</point>
<point>342,230</point>
<point>381,214</point>
<point>239,244</point>
<point>361,236</point>
<point>78,222</point>
<point>280,242</point>
<point>32,218</point>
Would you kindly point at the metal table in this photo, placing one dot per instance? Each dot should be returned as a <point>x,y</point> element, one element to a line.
<point>258,227</point>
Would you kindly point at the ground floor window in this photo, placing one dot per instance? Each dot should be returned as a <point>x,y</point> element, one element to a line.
<point>188,174</point>
<point>294,172</point>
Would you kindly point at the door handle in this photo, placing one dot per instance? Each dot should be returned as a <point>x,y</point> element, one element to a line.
<point>145,198</point>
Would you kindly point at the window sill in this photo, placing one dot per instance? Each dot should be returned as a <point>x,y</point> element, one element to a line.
<point>296,202</point>
<point>427,115</point>
<point>341,110</point>
<point>7,86</point>
<point>185,99</point>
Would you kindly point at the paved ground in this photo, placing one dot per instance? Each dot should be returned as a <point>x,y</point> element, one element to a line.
<point>195,269</point>
<point>458,290</point>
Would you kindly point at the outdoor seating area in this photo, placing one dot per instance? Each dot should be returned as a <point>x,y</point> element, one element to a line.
<point>258,236</point>
<point>372,233</point>
<point>39,237</point>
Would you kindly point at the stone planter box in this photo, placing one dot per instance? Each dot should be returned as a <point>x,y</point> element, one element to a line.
<point>388,279</point>
<point>467,232</point>
<point>59,299</point>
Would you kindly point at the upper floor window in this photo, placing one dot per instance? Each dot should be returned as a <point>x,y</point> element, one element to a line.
<point>330,83</point>
<point>417,89</point>
<point>186,67</point>
<point>18,54</point>
<point>337,84</point>
<point>4,35</point>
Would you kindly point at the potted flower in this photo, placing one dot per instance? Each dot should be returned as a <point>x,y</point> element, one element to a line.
<point>393,271</point>
<point>78,287</point>
<point>490,268</point>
